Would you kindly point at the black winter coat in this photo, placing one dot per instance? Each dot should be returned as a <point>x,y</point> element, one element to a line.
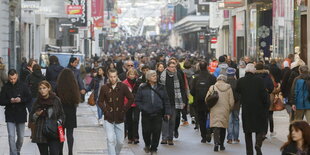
<point>15,112</point>
<point>291,149</point>
<point>275,71</point>
<point>70,113</point>
<point>160,104</point>
<point>286,72</point>
<point>253,98</point>
<point>52,73</point>
<point>54,110</point>
<point>293,75</point>
<point>264,74</point>
<point>194,90</point>
<point>33,81</point>
<point>24,73</point>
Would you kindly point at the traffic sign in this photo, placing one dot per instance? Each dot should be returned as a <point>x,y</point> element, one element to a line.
<point>213,40</point>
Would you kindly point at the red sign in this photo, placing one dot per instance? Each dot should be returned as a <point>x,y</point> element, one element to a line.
<point>74,9</point>
<point>113,25</point>
<point>213,40</point>
<point>98,12</point>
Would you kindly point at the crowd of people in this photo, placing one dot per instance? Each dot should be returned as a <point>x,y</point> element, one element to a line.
<point>162,92</point>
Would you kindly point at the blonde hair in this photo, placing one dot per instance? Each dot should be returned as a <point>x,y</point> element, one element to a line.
<point>132,70</point>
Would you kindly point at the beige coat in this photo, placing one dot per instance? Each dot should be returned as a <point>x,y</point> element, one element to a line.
<point>3,76</point>
<point>219,114</point>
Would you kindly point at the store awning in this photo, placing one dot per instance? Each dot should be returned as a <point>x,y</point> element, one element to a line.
<point>191,24</point>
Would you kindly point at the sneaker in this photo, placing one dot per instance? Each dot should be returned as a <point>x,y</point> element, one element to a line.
<point>176,134</point>
<point>236,141</point>
<point>100,122</point>
<point>170,142</point>
<point>146,149</point>
<point>272,134</point>
<point>164,142</point>
<point>136,141</point>
<point>185,123</point>
<point>229,141</point>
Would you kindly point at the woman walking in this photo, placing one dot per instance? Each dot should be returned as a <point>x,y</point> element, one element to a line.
<point>47,106</point>
<point>96,84</point>
<point>68,92</point>
<point>219,114</point>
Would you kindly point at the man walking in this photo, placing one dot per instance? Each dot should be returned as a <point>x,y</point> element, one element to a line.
<point>14,96</point>
<point>200,87</point>
<point>111,101</point>
<point>174,82</point>
<point>255,105</point>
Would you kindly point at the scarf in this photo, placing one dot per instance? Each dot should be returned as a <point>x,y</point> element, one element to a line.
<point>45,103</point>
<point>177,89</point>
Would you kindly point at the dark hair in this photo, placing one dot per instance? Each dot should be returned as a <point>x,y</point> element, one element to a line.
<point>222,59</point>
<point>145,67</point>
<point>102,70</point>
<point>12,72</point>
<point>53,60</point>
<point>259,66</point>
<point>203,65</point>
<point>72,59</point>
<point>30,62</point>
<point>187,64</point>
<point>46,84</point>
<point>291,56</point>
<point>304,128</point>
<point>67,87</point>
<point>36,67</point>
<point>160,63</point>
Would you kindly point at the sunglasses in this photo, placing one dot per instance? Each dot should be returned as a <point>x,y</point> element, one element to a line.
<point>130,65</point>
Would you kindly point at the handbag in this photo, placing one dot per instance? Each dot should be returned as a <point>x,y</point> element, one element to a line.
<point>212,99</point>
<point>91,99</point>
<point>278,104</point>
<point>50,129</point>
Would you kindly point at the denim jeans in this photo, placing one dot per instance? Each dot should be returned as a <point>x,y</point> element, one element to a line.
<point>168,126</point>
<point>115,137</point>
<point>15,145</point>
<point>99,112</point>
<point>233,128</point>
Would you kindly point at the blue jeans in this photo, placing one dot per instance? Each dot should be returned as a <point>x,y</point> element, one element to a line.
<point>233,128</point>
<point>99,112</point>
<point>15,145</point>
<point>115,137</point>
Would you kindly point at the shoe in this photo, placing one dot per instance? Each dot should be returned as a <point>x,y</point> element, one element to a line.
<point>196,128</point>
<point>164,142</point>
<point>130,141</point>
<point>193,120</point>
<point>185,123</point>
<point>100,122</point>
<point>236,141</point>
<point>176,134</point>
<point>136,141</point>
<point>216,148</point>
<point>170,142</point>
<point>272,134</point>
<point>209,138</point>
<point>153,152</point>
<point>222,148</point>
<point>229,141</point>
<point>146,149</point>
<point>204,140</point>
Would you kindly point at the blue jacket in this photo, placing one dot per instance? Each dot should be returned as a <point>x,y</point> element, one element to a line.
<point>160,103</point>
<point>301,93</point>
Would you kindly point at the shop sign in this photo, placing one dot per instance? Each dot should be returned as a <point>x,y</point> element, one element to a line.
<point>206,1</point>
<point>82,19</point>
<point>74,10</point>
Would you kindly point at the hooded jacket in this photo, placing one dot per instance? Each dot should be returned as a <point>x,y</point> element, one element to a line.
<point>33,81</point>
<point>219,114</point>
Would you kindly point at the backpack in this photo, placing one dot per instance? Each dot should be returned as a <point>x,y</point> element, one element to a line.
<point>202,87</point>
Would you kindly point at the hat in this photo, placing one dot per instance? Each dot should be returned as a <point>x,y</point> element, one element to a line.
<point>231,71</point>
<point>250,68</point>
<point>222,77</point>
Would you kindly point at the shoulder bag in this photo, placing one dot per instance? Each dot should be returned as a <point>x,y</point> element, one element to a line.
<point>212,98</point>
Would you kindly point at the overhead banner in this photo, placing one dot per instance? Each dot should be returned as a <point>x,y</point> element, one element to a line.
<point>98,12</point>
<point>80,20</point>
<point>233,3</point>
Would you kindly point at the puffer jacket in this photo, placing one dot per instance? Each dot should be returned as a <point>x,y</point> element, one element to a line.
<point>300,92</point>
<point>219,114</point>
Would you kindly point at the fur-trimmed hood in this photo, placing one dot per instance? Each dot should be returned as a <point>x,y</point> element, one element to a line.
<point>263,71</point>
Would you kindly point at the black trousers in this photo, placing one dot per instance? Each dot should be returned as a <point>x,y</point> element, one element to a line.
<point>202,118</point>
<point>219,136</point>
<point>185,112</point>
<point>258,143</point>
<point>70,140</point>
<point>151,130</point>
<point>270,119</point>
<point>50,148</point>
<point>177,119</point>
<point>132,123</point>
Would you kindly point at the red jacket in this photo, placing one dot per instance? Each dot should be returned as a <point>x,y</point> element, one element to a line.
<point>131,88</point>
